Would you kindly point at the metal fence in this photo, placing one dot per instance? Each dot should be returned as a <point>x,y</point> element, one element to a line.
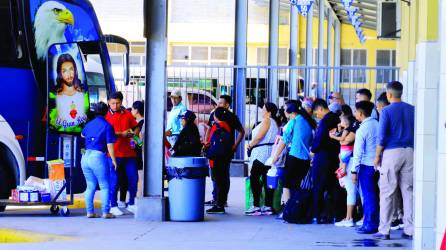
<point>201,85</point>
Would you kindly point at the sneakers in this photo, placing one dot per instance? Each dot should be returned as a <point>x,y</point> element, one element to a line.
<point>108,216</point>
<point>216,210</point>
<point>116,211</point>
<point>131,209</point>
<point>210,203</point>
<point>360,222</point>
<point>267,211</point>
<point>345,223</point>
<point>253,211</point>
<point>121,204</point>
<point>397,224</point>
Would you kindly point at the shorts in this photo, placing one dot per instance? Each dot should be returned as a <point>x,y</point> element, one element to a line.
<point>294,171</point>
<point>345,156</point>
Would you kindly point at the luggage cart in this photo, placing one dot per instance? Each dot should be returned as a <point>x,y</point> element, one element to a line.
<point>56,207</point>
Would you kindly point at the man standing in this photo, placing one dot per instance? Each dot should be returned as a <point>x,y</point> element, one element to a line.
<point>174,126</point>
<point>366,95</point>
<point>125,127</point>
<point>363,157</point>
<point>234,123</point>
<point>325,163</point>
<point>394,159</point>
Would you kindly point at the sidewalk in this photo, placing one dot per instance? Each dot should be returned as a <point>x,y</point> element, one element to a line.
<point>229,232</point>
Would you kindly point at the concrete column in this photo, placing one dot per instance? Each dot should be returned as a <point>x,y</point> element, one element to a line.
<point>320,50</point>
<point>309,51</point>
<point>240,54</point>
<point>337,56</point>
<point>329,61</point>
<point>441,132</point>
<point>426,133</point>
<point>294,50</point>
<point>273,50</point>
<point>152,205</point>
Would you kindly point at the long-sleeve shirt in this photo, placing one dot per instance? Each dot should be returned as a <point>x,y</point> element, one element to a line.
<point>396,126</point>
<point>322,142</point>
<point>298,135</point>
<point>366,140</point>
<point>174,122</point>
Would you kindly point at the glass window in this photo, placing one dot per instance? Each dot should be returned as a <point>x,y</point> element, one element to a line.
<point>283,56</point>
<point>180,52</point>
<point>199,53</point>
<point>385,58</point>
<point>116,59</point>
<point>353,58</point>
<point>135,60</point>
<point>262,56</point>
<point>219,53</point>
<point>7,46</point>
<point>302,57</point>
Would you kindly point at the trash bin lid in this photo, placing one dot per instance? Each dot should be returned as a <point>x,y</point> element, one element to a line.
<point>189,162</point>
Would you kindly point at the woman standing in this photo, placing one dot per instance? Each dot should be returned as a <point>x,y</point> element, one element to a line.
<point>264,136</point>
<point>298,136</point>
<point>188,143</point>
<point>99,137</point>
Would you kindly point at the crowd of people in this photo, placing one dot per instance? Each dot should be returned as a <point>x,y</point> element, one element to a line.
<point>360,162</point>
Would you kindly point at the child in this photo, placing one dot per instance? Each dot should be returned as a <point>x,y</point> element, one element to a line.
<point>346,137</point>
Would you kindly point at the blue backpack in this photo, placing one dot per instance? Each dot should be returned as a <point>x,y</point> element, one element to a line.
<point>221,144</point>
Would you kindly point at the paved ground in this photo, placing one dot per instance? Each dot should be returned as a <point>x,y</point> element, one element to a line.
<point>231,231</point>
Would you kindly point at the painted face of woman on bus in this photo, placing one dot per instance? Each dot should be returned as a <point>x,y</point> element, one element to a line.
<point>67,72</point>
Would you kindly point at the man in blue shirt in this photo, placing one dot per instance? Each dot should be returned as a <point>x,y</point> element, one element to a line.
<point>394,159</point>
<point>174,126</point>
<point>362,162</point>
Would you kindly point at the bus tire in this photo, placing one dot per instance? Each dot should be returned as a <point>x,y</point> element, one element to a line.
<point>6,179</point>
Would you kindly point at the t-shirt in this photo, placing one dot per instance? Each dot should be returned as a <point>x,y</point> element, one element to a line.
<point>122,121</point>
<point>98,133</point>
<point>233,121</point>
<point>396,126</point>
<point>322,142</point>
<point>70,110</point>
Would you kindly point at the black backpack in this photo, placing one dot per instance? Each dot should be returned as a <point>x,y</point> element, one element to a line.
<point>221,144</point>
<point>296,209</point>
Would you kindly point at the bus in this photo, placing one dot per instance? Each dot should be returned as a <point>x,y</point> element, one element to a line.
<point>37,38</point>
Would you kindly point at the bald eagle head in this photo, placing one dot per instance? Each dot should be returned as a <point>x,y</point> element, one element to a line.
<point>49,26</point>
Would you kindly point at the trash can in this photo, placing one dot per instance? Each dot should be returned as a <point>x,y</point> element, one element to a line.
<point>187,182</point>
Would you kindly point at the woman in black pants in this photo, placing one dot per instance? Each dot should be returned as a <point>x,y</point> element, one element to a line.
<point>264,136</point>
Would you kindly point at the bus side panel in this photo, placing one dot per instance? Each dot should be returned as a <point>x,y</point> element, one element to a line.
<point>22,107</point>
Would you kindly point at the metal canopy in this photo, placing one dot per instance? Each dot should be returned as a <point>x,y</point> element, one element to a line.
<point>367,10</point>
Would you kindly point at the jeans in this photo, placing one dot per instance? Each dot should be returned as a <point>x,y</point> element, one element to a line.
<point>129,164</point>
<point>95,168</point>
<point>369,187</point>
<point>220,173</point>
<point>351,188</point>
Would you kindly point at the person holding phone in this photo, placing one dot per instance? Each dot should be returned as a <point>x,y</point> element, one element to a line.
<point>125,127</point>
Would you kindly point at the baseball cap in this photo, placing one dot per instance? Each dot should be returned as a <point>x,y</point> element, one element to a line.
<point>188,115</point>
<point>175,93</point>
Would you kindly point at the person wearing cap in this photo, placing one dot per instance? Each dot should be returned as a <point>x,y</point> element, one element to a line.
<point>188,143</point>
<point>174,127</point>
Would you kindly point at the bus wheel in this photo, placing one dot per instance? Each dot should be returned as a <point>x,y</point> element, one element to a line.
<point>5,184</point>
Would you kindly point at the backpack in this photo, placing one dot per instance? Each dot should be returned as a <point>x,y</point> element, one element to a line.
<point>221,144</point>
<point>296,209</point>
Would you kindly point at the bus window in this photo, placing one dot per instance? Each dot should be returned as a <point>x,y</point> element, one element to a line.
<point>10,47</point>
<point>95,78</point>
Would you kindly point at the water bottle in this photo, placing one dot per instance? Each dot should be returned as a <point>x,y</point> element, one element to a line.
<point>137,140</point>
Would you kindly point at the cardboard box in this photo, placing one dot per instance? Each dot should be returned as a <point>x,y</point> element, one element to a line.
<point>55,186</point>
<point>45,197</point>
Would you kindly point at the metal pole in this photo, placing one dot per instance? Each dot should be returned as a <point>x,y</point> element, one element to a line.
<point>329,61</point>
<point>320,50</point>
<point>309,51</point>
<point>337,56</point>
<point>273,49</point>
<point>152,205</point>
<point>294,49</point>
<point>240,59</point>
